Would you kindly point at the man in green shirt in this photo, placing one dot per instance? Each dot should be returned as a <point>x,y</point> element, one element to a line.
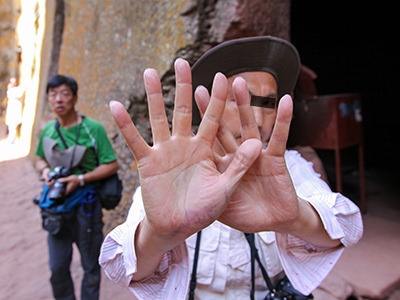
<point>76,149</point>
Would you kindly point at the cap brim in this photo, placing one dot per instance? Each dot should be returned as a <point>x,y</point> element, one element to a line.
<point>262,53</point>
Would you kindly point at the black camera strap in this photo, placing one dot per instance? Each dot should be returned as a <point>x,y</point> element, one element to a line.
<point>255,257</point>
<point>57,127</point>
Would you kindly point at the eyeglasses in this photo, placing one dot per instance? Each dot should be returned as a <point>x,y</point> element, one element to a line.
<point>64,94</point>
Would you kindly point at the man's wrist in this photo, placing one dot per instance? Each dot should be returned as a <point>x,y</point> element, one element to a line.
<point>43,168</point>
<point>310,227</point>
<point>158,243</point>
<point>41,177</point>
<point>81,180</point>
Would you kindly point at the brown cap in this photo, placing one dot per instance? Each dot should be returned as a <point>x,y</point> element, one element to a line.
<point>261,53</point>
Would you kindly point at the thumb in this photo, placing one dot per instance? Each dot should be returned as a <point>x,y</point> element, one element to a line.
<point>244,158</point>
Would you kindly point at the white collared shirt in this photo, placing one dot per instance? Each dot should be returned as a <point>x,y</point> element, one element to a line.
<point>224,260</point>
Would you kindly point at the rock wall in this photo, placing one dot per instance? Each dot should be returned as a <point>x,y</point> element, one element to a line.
<point>106,45</point>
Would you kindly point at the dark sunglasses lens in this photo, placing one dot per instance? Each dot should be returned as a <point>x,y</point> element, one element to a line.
<point>266,102</point>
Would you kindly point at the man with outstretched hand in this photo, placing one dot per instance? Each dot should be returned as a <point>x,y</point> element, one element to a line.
<point>233,176</point>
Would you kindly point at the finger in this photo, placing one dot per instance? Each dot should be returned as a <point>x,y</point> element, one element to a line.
<point>63,179</point>
<point>158,118</point>
<point>69,181</point>
<point>202,98</point>
<point>280,133</point>
<point>244,158</point>
<point>131,135</point>
<point>182,119</point>
<point>225,138</point>
<point>69,188</point>
<point>248,122</point>
<point>221,159</point>
<point>213,114</point>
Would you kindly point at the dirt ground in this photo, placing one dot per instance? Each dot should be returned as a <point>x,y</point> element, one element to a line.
<point>24,272</point>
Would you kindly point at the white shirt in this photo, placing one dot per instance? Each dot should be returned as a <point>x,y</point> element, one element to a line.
<point>224,260</point>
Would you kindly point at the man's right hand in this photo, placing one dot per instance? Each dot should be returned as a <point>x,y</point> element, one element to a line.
<point>44,170</point>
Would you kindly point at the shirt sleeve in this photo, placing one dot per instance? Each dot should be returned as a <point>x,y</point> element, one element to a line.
<point>118,259</point>
<point>105,150</point>
<point>39,148</point>
<point>306,265</point>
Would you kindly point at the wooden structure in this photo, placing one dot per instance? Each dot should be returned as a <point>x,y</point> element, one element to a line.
<point>332,122</point>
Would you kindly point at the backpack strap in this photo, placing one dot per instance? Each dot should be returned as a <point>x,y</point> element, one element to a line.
<point>93,141</point>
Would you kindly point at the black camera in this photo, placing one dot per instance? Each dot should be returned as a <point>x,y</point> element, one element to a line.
<point>274,295</point>
<point>285,291</point>
<point>57,193</point>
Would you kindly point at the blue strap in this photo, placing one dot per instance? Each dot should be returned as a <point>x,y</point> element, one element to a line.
<point>73,199</point>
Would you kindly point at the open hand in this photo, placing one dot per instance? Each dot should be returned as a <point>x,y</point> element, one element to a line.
<point>183,191</point>
<point>265,199</point>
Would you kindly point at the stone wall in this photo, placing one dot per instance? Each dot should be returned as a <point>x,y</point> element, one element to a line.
<point>106,45</point>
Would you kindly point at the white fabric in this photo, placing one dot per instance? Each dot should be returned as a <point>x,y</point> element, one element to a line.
<point>224,259</point>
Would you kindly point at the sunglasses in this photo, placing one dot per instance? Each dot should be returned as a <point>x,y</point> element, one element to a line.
<point>263,101</point>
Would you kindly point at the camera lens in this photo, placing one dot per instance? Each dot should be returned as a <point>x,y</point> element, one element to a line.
<point>57,193</point>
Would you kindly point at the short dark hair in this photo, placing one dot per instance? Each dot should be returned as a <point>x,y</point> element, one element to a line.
<point>57,80</point>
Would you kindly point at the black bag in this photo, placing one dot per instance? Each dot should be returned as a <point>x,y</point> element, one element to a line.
<point>53,221</point>
<point>109,191</point>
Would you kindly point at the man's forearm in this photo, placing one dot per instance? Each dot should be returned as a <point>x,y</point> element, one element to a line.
<point>41,164</point>
<point>148,254</point>
<point>101,172</point>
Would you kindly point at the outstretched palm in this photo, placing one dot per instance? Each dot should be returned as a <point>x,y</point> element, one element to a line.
<point>265,198</point>
<point>183,191</point>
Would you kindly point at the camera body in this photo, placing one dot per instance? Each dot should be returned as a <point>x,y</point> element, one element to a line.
<point>57,193</point>
<point>285,291</point>
<point>277,296</point>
